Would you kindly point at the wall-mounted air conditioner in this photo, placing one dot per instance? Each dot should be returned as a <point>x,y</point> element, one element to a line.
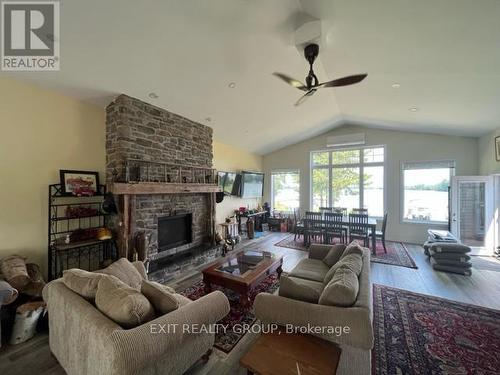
<point>346,140</point>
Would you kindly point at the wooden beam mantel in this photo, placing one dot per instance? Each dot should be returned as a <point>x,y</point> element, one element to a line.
<point>122,188</point>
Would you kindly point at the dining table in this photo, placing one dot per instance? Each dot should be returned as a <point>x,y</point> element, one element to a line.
<point>371,225</point>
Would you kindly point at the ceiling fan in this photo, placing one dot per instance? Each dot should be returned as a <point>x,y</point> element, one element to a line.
<point>312,85</point>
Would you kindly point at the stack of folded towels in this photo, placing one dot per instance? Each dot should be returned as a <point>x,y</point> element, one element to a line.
<point>446,254</point>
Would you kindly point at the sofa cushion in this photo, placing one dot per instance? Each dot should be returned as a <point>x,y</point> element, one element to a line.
<point>82,282</point>
<point>125,272</point>
<point>467,271</point>
<point>310,269</point>
<point>440,247</point>
<point>452,257</point>
<point>352,261</point>
<point>342,290</point>
<point>139,266</point>
<point>122,304</point>
<point>334,254</point>
<point>160,297</point>
<point>300,289</point>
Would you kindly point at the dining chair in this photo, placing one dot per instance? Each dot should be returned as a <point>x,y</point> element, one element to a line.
<point>360,211</point>
<point>298,228</point>
<point>340,210</point>
<point>313,226</point>
<point>380,234</point>
<point>334,228</point>
<point>325,209</point>
<point>358,228</point>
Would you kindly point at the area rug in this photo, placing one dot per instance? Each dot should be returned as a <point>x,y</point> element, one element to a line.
<point>419,334</point>
<point>238,316</point>
<point>397,253</point>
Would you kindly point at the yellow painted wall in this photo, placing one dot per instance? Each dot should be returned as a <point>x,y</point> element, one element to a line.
<point>232,159</point>
<point>40,133</point>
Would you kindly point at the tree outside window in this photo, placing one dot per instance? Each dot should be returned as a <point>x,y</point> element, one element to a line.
<point>352,178</point>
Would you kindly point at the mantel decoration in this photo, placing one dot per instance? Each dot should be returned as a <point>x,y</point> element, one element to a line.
<point>79,183</point>
<point>497,148</point>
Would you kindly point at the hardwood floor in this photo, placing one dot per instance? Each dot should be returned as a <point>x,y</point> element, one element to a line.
<point>482,288</point>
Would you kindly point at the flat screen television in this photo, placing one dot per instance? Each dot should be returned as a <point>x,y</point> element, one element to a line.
<point>227,182</point>
<point>252,184</point>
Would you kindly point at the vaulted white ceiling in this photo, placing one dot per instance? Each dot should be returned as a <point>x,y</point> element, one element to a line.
<point>445,54</point>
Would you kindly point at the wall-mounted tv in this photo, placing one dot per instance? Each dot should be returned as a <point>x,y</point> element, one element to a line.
<point>227,182</point>
<point>252,184</point>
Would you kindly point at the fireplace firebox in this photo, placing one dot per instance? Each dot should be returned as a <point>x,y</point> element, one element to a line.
<point>174,231</point>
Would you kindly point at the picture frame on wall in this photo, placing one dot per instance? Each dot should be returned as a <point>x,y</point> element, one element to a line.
<point>497,148</point>
<point>79,183</point>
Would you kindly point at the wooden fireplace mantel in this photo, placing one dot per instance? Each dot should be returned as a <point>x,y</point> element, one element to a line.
<point>127,193</point>
<point>124,188</point>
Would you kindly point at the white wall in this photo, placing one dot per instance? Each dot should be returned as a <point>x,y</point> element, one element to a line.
<point>486,154</point>
<point>400,147</point>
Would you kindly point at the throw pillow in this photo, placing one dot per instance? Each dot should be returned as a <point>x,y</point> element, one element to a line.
<point>82,282</point>
<point>124,271</point>
<point>122,304</point>
<point>160,297</point>
<point>334,254</point>
<point>352,261</point>
<point>353,248</point>
<point>342,290</point>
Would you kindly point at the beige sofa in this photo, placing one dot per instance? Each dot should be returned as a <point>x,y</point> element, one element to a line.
<point>357,344</point>
<point>86,342</point>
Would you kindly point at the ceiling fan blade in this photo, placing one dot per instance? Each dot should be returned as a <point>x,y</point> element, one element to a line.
<point>344,81</point>
<point>291,81</point>
<point>304,97</point>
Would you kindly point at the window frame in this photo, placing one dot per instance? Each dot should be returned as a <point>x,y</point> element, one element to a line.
<point>278,171</point>
<point>361,165</point>
<point>403,220</point>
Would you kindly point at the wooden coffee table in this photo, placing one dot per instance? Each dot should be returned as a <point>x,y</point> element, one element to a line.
<point>242,272</point>
<point>281,353</point>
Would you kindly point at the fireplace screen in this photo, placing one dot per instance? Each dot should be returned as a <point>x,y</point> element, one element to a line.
<point>174,231</point>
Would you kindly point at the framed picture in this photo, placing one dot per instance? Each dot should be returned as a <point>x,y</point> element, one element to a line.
<point>497,148</point>
<point>79,183</point>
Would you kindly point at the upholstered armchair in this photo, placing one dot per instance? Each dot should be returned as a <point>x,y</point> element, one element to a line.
<point>86,342</point>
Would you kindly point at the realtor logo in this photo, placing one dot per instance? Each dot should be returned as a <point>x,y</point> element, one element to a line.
<point>30,35</point>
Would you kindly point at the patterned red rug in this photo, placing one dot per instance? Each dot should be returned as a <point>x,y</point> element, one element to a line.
<point>397,253</point>
<point>238,316</point>
<point>419,334</point>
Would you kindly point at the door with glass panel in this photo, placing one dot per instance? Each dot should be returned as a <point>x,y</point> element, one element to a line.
<point>472,212</point>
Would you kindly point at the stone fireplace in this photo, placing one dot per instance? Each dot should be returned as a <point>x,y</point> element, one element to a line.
<point>170,153</point>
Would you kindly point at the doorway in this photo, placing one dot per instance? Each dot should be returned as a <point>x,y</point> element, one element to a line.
<point>472,219</point>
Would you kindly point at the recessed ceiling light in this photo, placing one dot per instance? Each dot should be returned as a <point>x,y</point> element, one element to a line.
<point>232,85</point>
<point>413,109</point>
<point>153,95</point>
<point>395,85</point>
<point>208,119</point>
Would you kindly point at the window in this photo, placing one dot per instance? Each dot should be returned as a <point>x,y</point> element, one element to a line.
<point>426,191</point>
<point>285,186</point>
<point>351,178</point>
